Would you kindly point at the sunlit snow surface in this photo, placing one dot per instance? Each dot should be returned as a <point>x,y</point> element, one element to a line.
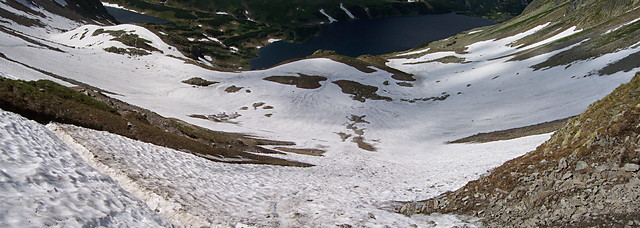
<point>348,185</point>
<point>346,189</point>
<point>44,183</point>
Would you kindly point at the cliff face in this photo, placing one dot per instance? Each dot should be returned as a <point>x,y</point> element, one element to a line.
<point>585,175</point>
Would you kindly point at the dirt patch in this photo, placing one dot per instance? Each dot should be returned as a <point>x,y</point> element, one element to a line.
<point>541,128</point>
<point>439,98</point>
<point>233,89</point>
<point>312,152</point>
<point>360,92</point>
<point>356,126</point>
<point>219,118</point>
<point>302,81</point>
<point>197,81</point>
<point>359,140</point>
<point>405,84</point>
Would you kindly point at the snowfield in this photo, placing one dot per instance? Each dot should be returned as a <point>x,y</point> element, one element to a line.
<point>410,159</point>
<point>349,189</point>
<point>44,183</point>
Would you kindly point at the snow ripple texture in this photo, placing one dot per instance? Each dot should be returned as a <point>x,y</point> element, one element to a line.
<point>43,183</point>
<point>195,192</point>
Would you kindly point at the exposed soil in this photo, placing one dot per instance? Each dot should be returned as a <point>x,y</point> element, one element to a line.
<point>197,81</point>
<point>303,81</point>
<point>312,152</point>
<point>233,89</point>
<point>360,92</point>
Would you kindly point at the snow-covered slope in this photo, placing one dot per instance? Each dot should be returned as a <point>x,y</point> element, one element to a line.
<point>45,183</point>
<point>377,151</point>
<point>344,190</point>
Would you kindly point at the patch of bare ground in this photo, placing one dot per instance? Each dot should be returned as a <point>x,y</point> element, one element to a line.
<point>541,128</point>
<point>586,175</point>
<point>359,140</point>
<point>311,152</point>
<point>302,81</point>
<point>233,89</point>
<point>197,81</point>
<point>218,118</point>
<point>45,101</point>
<point>358,137</point>
<point>360,92</point>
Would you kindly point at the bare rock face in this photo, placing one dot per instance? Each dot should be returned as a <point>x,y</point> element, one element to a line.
<point>587,174</point>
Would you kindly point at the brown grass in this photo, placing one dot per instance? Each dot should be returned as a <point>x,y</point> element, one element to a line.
<point>536,129</point>
<point>46,101</point>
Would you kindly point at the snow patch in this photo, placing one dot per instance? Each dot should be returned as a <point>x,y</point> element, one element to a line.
<point>273,40</point>
<point>45,183</point>
<point>113,5</point>
<point>184,187</point>
<point>331,19</point>
<point>563,34</point>
<point>621,26</point>
<point>63,3</point>
<point>153,200</point>
<point>347,11</point>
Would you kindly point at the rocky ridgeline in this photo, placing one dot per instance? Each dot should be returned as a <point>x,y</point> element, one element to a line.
<point>587,174</point>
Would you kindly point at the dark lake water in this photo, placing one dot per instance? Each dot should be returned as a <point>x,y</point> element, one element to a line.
<point>376,36</point>
<point>126,16</point>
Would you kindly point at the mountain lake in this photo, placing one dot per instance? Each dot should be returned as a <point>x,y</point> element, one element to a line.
<point>374,36</point>
<point>127,16</point>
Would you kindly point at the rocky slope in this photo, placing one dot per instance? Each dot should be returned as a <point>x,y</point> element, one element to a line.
<point>585,175</point>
